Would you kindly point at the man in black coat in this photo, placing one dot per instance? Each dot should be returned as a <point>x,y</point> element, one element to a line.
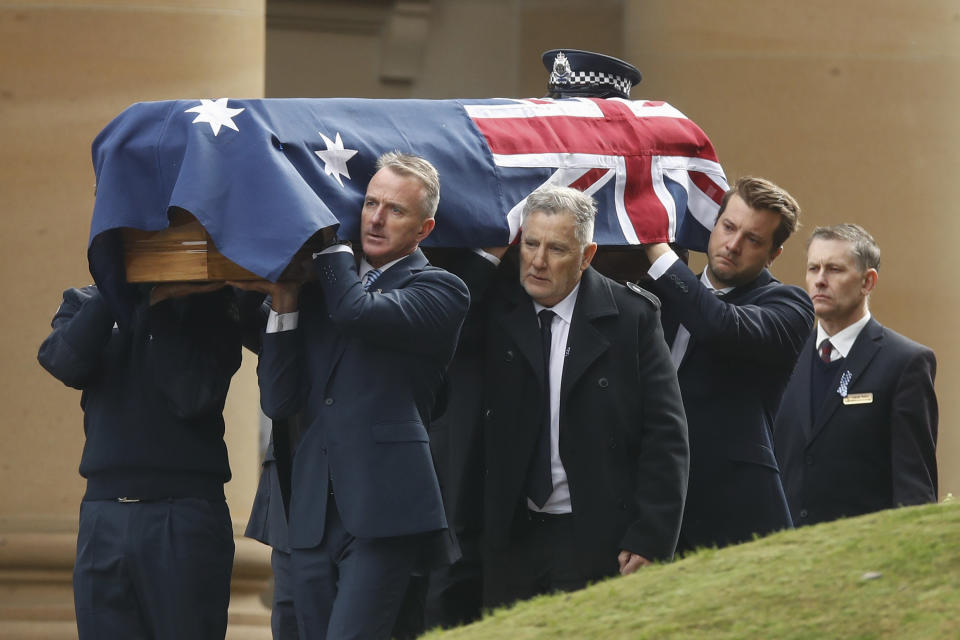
<point>586,452</point>
<point>857,429</point>
<point>734,353</point>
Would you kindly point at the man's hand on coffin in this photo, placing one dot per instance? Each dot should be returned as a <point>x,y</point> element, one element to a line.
<point>162,292</point>
<point>283,294</point>
<point>656,250</point>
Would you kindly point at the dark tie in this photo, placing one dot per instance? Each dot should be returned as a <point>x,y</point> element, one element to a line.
<point>825,350</point>
<point>369,278</point>
<point>539,478</point>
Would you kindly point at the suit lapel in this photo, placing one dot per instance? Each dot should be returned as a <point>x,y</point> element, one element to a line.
<point>802,376</point>
<point>584,342</point>
<point>397,275</point>
<point>861,354</point>
<point>521,325</point>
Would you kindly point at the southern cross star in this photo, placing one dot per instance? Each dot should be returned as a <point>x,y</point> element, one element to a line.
<point>335,158</point>
<point>216,113</point>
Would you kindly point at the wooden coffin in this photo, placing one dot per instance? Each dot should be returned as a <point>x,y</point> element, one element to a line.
<point>184,252</point>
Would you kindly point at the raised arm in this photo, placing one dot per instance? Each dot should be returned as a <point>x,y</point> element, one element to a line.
<point>423,316</point>
<point>81,329</point>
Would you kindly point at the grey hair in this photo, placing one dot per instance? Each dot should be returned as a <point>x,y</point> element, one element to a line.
<point>553,199</point>
<point>409,165</point>
<point>864,248</point>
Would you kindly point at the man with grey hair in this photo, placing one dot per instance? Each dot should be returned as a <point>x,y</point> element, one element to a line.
<point>857,428</point>
<point>585,437</point>
<point>358,356</point>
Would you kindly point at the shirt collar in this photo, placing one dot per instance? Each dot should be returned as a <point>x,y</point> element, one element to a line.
<point>705,280</point>
<point>843,340</point>
<point>366,266</point>
<point>564,308</point>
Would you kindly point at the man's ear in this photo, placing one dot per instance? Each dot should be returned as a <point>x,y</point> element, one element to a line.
<point>426,228</point>
<point>870,279</point>
<point>588,253</point>
<point>774,255</point>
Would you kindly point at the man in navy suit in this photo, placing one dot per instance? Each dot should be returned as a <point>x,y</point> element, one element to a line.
<point>857,429</point>
<point>735,333</point>
<point>362,355</point>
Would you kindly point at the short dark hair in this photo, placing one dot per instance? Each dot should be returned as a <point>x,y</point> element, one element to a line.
<point>864,248</point>
<point>760,193</point>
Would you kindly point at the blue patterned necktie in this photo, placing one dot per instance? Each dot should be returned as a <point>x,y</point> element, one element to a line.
<point>369,277</point>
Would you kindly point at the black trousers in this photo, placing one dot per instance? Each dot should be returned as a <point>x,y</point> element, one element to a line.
<point>541,559</point>
<point>158,570</point>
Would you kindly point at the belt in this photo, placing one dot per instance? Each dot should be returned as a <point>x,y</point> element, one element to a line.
<point>541,517</point>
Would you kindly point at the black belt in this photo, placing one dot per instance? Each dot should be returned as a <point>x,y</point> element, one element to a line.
<point>541,517</point>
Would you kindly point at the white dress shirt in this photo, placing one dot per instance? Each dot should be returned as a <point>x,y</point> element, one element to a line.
<point>842,340</point>
<point>559,500</point>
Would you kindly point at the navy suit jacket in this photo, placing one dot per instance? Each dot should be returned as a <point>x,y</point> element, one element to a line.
<point>364,368</point>
<point>858,458</point>
<point>742,350</point>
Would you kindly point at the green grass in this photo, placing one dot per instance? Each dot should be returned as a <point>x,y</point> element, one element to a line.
<point>805,583</point>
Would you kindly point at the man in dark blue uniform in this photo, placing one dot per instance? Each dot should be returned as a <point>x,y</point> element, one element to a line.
<point>155,544</point>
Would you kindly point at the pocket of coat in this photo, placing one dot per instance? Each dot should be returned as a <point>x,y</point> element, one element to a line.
<point>400,432</point>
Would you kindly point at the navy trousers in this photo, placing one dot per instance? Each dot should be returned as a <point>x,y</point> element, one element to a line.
<point>157,570</point>
<point>283,617</point>
<point>348,587</point>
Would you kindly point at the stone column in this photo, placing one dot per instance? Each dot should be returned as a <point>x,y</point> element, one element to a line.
<point>68,69</point>
<point>851,106</point>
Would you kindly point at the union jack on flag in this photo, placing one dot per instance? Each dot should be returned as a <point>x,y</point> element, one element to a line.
<point>262,176</point>
<point>654,172</point>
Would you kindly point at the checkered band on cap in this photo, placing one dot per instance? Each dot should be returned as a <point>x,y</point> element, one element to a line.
<point>575,78</point>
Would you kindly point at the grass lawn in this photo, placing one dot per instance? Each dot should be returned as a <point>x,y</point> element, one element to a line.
<point>894,574</point>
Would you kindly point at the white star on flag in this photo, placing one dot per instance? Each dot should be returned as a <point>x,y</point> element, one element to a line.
<point>335,158</point>
<point>216,113</point>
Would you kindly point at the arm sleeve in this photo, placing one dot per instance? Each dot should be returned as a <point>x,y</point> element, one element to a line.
<point>772,330</point>
<point>664,454</point>
<point>913,432</point>
<point>193,350</point>
<point>81,329</point>
<point>423,317</point>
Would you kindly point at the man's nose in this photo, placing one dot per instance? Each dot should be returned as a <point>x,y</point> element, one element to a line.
<point>540,258</point>
<point>735,243</point>
<point>377,217</point>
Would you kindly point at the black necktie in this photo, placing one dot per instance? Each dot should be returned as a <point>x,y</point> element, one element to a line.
<point>539,478</point>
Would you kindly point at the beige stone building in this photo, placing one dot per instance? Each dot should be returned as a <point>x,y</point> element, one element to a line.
<point>850,105</point>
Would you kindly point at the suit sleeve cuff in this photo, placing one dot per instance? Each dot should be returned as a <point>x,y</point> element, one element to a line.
<point>489,257</point>
<point>661,264</point>
<point>280,322</point>
<point>334,248</point>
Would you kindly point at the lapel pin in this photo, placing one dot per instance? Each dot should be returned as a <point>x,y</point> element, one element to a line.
<point>844,383</point>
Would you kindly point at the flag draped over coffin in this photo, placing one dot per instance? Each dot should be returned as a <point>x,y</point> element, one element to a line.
<point>263,175</point>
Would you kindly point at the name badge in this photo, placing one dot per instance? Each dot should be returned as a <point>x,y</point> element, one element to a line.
<point>858,398</point>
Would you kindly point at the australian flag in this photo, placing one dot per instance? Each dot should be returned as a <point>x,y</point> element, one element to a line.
<point>262,176</point>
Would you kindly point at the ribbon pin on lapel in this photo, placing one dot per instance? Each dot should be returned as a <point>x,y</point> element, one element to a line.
<point>844,382</point>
